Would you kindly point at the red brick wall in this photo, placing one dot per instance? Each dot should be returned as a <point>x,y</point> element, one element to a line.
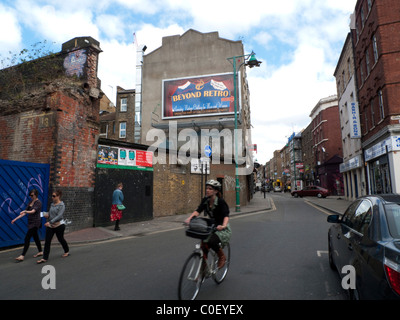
<point>383,21</point>
<point>57,123</point>
<point>332,132</point>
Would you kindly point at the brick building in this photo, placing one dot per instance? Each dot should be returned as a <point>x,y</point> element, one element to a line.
<point>49,113</point>
<point>327,144</point>
<point>307,147</point>
<point>186,67</point>
<point>120,124</point>
<point>377,55</point>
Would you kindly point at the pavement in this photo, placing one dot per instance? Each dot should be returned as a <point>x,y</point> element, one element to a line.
<point>259,203</point>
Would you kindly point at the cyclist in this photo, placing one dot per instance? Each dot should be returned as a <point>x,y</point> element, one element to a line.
<point>215,206</point>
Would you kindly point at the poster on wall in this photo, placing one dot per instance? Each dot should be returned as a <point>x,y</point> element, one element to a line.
<point>107,155</point>
<point>124,158</point>
<point>198,96</point>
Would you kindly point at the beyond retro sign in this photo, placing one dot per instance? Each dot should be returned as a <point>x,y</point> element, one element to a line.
<point>199,96</point>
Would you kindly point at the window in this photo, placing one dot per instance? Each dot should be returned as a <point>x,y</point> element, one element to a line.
<point>124,105</point>
<point>372,114</point>
<point>369,5</point>
<point>367,61</point>
<point>122,130</point>
<point>366,120</point>
<point>358,216</point>
<point>375,48</point>
<point>362,72</point>
<point>362,17</point>
<point>362,217</point>
<point>381,108</point>
<point>393,217</point>
<point>346,219</point>
<point>344,80</point>
<point>349,68</point>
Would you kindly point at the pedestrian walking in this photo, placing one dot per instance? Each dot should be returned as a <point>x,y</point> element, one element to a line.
<point>55,225</point>
<point>34,222</point>
<point>117,205</point>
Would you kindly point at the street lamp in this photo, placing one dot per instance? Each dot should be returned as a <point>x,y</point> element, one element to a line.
<point>251,61</point>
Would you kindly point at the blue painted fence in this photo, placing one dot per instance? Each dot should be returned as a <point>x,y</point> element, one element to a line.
<point>16,181</point>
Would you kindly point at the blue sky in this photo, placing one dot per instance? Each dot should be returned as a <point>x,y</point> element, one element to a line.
<point>299,42</point>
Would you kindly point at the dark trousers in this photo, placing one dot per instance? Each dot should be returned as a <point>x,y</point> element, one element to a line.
<point>214,242</point>
<point>59,231</point>
<point>33,232</point>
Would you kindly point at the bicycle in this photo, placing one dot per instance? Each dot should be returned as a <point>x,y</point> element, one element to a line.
<point>200,266</point>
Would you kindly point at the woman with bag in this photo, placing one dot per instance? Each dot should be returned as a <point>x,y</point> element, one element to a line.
<point>55,225</point>
<point>117,206</point>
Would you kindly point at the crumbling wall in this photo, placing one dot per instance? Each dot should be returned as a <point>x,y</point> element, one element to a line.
<point>49,113</point>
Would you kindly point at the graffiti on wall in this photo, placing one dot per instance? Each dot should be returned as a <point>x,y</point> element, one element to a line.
<point>74,63</point>
<point>230,184</point>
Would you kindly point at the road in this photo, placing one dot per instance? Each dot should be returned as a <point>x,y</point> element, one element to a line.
<point>277,254</point>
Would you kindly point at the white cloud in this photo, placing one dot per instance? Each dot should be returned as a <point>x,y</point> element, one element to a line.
<point>110,25</point>
<point>152,36</point>
<point>54,24</point>
<point>10,37</point>
<point>117,67</point>
<point>281,102</point>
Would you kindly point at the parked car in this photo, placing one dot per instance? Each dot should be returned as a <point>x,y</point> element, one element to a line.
<point>311,191</point>
<point>367,237</point>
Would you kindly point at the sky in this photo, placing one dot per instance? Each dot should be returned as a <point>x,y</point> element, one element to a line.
<point>298,41</point>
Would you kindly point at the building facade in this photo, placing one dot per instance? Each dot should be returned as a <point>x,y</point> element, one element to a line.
<point>352,167</point>
<point>54,120</point>
<point>307,147</point>
<point>187,105</point>
<point>327,145</point>
<point>377,55</point>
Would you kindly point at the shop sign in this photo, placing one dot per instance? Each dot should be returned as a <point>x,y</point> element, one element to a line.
<point>354,121</point>
<point>353,163</point>
<point>390,144</point>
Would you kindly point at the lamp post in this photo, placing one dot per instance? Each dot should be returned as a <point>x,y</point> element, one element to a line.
<point>251,61</point>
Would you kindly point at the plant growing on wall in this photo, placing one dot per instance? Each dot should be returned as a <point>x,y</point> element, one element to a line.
<point>28,69</point>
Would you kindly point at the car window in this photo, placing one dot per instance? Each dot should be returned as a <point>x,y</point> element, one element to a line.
<point>362,217</point>
<point>393,217</point>
<point>346,219</point>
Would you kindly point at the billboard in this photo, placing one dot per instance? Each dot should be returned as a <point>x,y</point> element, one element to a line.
<point>199,96</point>
<point>113,157</point>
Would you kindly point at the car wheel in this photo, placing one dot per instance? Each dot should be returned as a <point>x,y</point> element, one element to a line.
<point>319,195</point>
<point>295,195</point>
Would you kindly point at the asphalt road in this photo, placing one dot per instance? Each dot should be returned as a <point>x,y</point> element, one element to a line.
<point>277,254</point>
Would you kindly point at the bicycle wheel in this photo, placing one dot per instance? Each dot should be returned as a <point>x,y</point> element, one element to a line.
<point>220,274</point>
<point>191,277</point>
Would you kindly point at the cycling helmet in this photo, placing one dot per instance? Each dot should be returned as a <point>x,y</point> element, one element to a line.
<point>214,183</point>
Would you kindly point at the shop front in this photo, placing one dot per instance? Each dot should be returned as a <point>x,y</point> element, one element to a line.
<point>353,178</point>
<point>383,174</point>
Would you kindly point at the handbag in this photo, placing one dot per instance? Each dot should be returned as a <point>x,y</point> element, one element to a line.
<point>120,207</point>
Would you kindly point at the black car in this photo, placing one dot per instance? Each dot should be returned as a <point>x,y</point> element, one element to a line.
<point>367,238</point>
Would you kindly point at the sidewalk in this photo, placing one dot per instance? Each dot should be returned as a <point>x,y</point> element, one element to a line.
<point>334,204</point>
<point>158,224</point>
